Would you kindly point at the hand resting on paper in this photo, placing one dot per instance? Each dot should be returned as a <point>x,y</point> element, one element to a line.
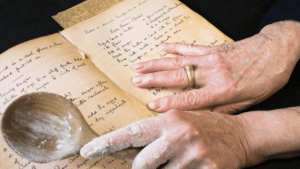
<point>185,139</point>
<point>230,77</point>
<point>204,140</point>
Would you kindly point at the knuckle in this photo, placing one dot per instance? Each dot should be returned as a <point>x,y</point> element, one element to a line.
<point>212,165</point>
<point>221,67</point>
<point>194,97</point>
<point>226,47</point>
<point>177,62</point>
<point>133,130</point>
<point>229,51</point>
<point>174,113</point>
<point>152,77</point>
<point>170,101</point>
<point>176,117</point>
<point>223,72</point>
<point>233,88</point>
<point>220,64</point>
<point>176,166</point>
<point>191,132</point>
<point>217,58</point>
<point>215,55</point>
<point>199,152</point>
<point>152,63</point>
<point>178,77</point>
<point>106,140</point>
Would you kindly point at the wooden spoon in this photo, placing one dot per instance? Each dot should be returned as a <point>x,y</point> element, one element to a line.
<point>44,127</point>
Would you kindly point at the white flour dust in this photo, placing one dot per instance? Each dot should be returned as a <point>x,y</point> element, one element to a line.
<point>48,134</point>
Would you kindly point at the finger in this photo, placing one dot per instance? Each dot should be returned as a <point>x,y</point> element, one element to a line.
<point>173,78</point>
<point>186,49</point>
<point>154,65</point>
<point>137,134</point>
<point>177,163</point>
<point>193,99</point>
<point>190,158</point>
<point>155,154</point>
<point>128,154</point>
<point>166,64</point>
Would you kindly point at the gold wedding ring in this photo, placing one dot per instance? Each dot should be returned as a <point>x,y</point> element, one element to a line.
<point>189,69</point>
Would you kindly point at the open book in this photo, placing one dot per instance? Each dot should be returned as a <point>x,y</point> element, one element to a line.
<point>90,64</point>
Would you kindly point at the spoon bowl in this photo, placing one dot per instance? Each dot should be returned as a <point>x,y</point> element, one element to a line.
<point>45,127</point>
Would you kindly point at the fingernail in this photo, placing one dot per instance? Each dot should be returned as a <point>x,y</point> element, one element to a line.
<point>153,106</point>
<point>137,80</point>
<point>85,150</point>
<point>137,67</point>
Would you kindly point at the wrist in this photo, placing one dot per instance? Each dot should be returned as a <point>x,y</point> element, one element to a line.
<point>287,28</point>
<point>251,141</point>
<point>288,32</point>
<point>271,134</point>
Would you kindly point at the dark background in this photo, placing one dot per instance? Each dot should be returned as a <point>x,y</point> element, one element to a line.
<point>22,20</point>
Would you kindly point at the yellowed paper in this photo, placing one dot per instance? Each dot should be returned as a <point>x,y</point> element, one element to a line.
<point>83,11</point>
<point>114,40</point>
<point>131,32</point>
<point>53,64</point>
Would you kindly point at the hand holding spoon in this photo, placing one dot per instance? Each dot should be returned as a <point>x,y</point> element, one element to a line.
<point>45,127</point>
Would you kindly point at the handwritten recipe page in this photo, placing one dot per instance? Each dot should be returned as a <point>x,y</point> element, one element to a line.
<point>100,83</point>
<point>52,64</point>
<point>131,32</point>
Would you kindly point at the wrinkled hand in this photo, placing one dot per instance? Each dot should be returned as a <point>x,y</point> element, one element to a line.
<point>229,77</point>
<point>183,139</point>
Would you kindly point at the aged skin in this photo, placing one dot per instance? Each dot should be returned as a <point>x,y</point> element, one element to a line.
<point>187,139</point>
<point>229,77</point>
<point>205,140</point>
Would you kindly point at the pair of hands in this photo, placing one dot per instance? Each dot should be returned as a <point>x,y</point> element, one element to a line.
<point>228,78</point>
